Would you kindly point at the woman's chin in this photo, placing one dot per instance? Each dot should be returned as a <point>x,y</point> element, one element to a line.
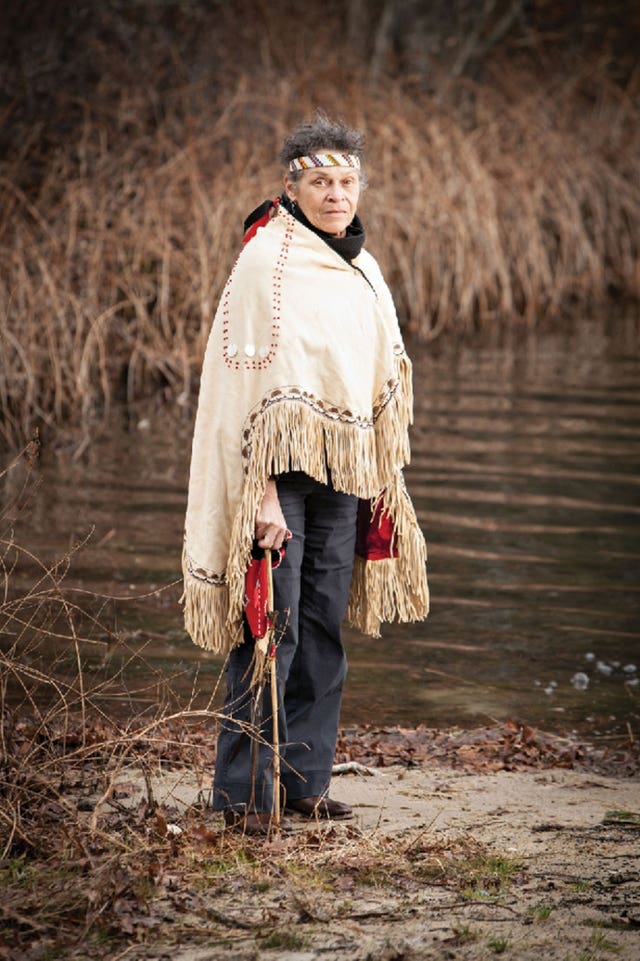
<point>338,229</point>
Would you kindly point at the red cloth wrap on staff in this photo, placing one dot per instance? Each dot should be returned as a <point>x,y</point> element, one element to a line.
<point>255,592</point>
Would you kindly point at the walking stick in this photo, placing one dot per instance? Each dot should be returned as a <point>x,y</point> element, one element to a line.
<point>274,691</point>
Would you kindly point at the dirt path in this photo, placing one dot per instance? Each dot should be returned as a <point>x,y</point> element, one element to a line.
<point>436,865</point>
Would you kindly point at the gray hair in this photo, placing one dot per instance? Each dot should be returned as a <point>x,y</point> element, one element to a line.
<point>318,133</point>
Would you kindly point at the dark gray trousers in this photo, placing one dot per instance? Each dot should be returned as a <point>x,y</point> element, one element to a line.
<point>312,583</point>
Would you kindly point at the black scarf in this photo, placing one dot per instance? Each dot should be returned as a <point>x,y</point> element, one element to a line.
<point>348,247</point>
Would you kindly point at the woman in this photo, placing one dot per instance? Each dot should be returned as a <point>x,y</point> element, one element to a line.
<point>301,433</point>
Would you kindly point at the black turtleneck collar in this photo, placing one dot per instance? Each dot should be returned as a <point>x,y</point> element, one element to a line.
<point>348,247</point>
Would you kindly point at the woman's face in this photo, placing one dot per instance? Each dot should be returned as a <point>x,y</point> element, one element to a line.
<point>327,196</point>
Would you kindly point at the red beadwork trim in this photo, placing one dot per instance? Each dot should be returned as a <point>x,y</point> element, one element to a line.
<point>236,362</point>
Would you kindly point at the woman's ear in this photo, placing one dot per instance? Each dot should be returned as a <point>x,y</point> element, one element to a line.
<point>290,188</point>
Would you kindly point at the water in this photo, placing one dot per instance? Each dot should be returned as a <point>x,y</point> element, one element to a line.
<point>526,482</point>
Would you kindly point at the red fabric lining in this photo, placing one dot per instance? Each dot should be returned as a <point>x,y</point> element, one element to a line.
<point>260,222</point>
<point>375,538</point>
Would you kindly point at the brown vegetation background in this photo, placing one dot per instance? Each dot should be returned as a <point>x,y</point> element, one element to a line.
<point>503,148</point>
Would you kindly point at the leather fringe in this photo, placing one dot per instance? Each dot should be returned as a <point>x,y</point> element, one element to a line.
<point>206,614</point>
<point>292,435</point>
<point>390,590</point>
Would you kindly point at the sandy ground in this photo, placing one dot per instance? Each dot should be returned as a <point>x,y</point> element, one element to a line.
<point>575,895</point>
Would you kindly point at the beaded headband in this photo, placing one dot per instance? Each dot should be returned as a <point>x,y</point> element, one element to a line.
<point>325,160</point>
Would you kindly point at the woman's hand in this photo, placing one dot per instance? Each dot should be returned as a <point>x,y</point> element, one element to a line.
<point>271,526</point>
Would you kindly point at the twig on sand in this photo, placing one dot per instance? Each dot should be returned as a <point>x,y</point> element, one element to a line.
<point>353,767</point>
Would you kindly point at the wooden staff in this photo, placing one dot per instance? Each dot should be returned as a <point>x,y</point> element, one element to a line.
<point>271,654</point>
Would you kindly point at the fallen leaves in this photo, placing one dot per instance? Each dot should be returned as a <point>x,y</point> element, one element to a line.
<point>510,746</point>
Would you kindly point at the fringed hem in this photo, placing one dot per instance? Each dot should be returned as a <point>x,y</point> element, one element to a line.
<point>291,430</point>
<point>394,589</point>
<point>379,595</point>
<point>289,434</point>
<point>206,615</point>
<point>405,375</point>
<point>286,434</point>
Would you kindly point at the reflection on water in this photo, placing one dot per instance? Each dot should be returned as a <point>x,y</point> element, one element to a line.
<point>525,478</point>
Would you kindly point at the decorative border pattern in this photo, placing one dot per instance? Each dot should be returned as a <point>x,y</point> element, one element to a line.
<point>199,573</point>
<point>319,406</point>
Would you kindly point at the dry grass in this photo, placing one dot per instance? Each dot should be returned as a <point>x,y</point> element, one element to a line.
<point>526,204</point>
<point>519,202</point>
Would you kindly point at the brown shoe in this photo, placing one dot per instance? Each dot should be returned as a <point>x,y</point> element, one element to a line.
<point>260,822</point>
<point>320,807</point>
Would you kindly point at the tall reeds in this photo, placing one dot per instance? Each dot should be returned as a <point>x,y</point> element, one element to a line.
<point>516,200</point>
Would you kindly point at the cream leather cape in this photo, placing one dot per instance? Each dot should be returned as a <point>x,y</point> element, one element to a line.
<point>304,370</point>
